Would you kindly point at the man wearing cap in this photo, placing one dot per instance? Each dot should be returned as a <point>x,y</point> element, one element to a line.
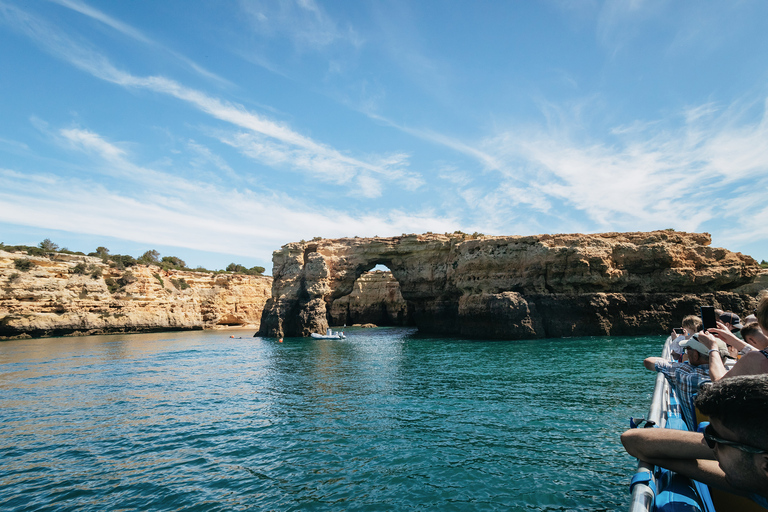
<point>686,377</point>
<point>731,321</point>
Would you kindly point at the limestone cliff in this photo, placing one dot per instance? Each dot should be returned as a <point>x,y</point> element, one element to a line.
<point>66,294</point>
<point>516,286</point>
<point>375,299</point>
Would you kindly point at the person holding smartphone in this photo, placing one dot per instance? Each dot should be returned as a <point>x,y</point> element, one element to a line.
<point>691,325</point>
<point>754,362</point>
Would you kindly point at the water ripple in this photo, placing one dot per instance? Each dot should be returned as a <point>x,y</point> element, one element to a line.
<point>385,420</point>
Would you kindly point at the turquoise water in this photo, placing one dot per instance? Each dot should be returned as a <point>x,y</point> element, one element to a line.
<point>385,420</point>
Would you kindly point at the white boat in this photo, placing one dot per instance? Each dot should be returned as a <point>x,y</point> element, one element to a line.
<point>330,335</point>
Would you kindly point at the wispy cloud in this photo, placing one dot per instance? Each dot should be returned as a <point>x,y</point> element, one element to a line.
<point>133,33</point>
<point>303,22</point>
<point>266,140</point>
<point>655,174</point>
<point>142,207</point>
<point>203,155</point>
<point>14,144</point>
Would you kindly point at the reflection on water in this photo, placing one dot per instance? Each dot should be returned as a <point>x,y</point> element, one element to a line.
<point>383,420</point>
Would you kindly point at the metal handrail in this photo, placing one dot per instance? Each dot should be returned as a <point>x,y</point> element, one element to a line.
<point>644,492</point>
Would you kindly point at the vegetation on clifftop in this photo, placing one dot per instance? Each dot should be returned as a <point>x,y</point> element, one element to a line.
<point>47,248</point>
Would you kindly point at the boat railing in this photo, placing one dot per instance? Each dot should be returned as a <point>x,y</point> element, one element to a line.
<point>643,484</point>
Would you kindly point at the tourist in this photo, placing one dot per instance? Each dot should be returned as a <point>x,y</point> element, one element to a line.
<point>691,325</point>
<point>736,345</point>
<point>731,321</point>
<point>686,377</point>
<point>731,454</point>
<point>755,336</point>
<point>753,363</point>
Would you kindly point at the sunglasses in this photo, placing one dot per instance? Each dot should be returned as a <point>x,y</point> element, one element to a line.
<point>712,439</point>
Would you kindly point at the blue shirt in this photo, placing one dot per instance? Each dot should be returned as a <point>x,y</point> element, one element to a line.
<point>686,379</point>
<point>760,500</point>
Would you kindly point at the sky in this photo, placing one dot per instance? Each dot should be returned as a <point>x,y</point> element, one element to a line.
<point>219,131</point>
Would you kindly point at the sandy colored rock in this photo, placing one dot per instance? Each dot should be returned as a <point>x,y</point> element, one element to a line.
<point>515,286</point>
<point>375,299</point>
<point>51,299</point>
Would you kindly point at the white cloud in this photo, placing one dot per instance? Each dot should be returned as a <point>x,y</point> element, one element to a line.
<point>168,209</point>
<point>205,155</point>
<point>653,176</point>
<point>304,22</point>
<point>268,141</point>
<point>133,33</point>
<point>93,142</point>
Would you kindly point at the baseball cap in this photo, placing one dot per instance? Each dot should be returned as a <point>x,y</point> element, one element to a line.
<point>733,319</point>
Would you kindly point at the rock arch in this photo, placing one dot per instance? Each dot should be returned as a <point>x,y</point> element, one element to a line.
<point>514,287</point>
<point>375,299</point>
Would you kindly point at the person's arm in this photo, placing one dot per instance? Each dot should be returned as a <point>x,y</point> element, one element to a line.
<point>722,332</point>
<point>716,367</point>
<point>753,363</point>
<point>677,450</point>
<point>665,443</point>
<point>650,362</point>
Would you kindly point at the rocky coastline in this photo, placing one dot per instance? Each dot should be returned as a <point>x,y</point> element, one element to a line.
<point>516,287</point>
<point>453,285</point>
<point>70,295</point>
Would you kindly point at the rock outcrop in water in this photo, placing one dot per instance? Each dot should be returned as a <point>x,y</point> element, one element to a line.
<point>56,297</point>
<point>375,299</point>
<point>516,287</point>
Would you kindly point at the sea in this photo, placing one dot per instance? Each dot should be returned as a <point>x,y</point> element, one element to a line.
<point>386,420</point>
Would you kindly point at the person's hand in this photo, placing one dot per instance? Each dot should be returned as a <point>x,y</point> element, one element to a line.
<point>707,340</point>
<point>722,332</point>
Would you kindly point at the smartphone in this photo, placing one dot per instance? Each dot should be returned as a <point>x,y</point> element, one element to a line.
<point>708,317</point>
<point>678,330</point>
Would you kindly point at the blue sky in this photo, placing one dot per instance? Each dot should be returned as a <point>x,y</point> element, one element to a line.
<point>219,131</point>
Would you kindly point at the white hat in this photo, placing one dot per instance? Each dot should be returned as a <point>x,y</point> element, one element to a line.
<point>694,343</point>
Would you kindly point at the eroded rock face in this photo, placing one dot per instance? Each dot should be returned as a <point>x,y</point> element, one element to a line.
<point>50,299</point>
<point>375,299</point>
<point>517,286</point>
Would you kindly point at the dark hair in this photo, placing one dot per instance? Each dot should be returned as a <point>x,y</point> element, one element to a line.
<point>762,312</point>
<point>741,404</point>
<point>750,328</point>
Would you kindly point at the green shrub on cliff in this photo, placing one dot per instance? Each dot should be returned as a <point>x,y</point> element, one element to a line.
<point>240,269</point>
<point>169,262</point>
<point>151,257</point>
<point>126,279</point>
<point>121,261</point>
<point>79,269</point>
<point>112,285</point>
<point>23,264</point>
<point>180,284</point>
<point>48,246</point>
<point>764,264</point>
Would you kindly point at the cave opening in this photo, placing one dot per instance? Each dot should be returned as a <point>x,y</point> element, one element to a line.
<point>375,299</point>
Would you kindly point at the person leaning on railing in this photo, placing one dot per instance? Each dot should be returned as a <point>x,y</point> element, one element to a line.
<point>686,377</point>
<point>732,452</point>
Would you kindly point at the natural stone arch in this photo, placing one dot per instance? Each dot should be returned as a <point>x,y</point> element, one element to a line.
<point>375,299</point>
<point>517,286</point>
